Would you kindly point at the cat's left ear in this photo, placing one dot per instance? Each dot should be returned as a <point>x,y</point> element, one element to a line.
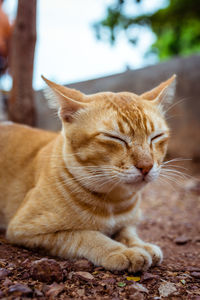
<point>69,101</point>
<point>163,94</point>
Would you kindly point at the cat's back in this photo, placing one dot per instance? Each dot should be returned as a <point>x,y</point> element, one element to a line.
<point>19,141</point>
<point>19,146</point>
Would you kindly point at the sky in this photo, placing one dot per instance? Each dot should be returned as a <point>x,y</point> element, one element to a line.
<point>67,49</point>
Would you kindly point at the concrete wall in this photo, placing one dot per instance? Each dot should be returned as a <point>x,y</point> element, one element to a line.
<point>184,117</point>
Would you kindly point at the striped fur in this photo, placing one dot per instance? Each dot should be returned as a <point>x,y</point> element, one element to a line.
<point>76,193</point>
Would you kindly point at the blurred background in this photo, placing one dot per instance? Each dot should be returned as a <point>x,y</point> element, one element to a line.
<point>101,45</point>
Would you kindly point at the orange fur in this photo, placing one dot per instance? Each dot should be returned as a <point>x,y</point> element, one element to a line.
<point>69,192</point>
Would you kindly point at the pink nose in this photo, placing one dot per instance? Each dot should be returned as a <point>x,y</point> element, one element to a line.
<point>144,167</point>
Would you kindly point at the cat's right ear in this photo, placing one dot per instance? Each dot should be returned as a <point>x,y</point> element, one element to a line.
<point>163,94</point>
<point>68,101</point>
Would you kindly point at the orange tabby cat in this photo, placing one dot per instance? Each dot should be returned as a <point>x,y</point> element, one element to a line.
<point>76,193</point>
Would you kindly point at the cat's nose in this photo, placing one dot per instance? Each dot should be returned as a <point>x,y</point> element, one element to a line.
<point>144,167</point>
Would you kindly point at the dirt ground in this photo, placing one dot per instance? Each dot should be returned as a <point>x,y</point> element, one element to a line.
<point>171,220</point>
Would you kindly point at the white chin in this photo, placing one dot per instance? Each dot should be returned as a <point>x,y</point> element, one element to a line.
<point>134,181</point>
<point>149,179</point>
<point>136,184</point>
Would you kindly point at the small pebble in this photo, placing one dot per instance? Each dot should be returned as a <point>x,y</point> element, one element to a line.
<point>84,276</point>
<point>1,294</point>
<point>182,240</point>
<point>195,274</point>
<point>4,273</point>
<point>148,276</point>
<point>46,270</point>
<point>55,289</point>
<point>19,289</point>
<point>193,269</point>
<point>7,282</point>
<point>83,265</point>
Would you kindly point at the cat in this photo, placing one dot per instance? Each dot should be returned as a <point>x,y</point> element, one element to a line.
<point>77,193</point>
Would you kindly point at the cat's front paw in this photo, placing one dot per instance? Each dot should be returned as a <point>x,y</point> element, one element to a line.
<point>139,259</point>
<point>116,261</point>
<point>155,252</point>
<point>133,259</point>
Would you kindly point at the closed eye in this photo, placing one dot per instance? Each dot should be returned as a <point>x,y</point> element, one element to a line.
<point>114,137</point>
<point>157,136</point>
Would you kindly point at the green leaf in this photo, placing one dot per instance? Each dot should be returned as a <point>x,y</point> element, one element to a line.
<point>121,284</point>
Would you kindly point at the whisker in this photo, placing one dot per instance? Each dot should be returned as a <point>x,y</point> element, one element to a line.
<point>174,173</point>
<point>165,182</point>
<point>174,166</point>
<point>180,173</point>
<point>173,116</point>
<point>174,104</point>
<point>174,179</point>
<point>178,159</point>
<point>173,170</point>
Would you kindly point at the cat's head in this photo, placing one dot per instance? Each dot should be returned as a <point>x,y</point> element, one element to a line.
<point>114,140</point>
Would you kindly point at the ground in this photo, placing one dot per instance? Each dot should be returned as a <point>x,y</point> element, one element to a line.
<point>171,220</point>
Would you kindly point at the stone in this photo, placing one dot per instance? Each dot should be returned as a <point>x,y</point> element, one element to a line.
<point>195,274</point>
<point>4,273</point>
<point>84,276</point>
<point>148,276</point>
<point>83,265</point>
<point>20,289</point>
<point>55,289</point>
<point>166,289</point>
<point>1,294</point>
<point>140,288</point>
<point>193,269</point>
<point>38,293</point>
<point>182,240</point>
<point>46,270</point>
<point>7,282</point>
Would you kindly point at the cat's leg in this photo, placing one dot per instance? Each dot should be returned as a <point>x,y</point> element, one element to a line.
<point>39,223</point>
<point>128,236</point>
<point>93,245</point>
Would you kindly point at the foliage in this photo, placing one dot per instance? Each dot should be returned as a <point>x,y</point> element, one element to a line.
<point>177,26</point>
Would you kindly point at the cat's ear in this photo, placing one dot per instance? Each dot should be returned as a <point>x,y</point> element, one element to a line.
<point>67,100</point>
<point>163,94</point>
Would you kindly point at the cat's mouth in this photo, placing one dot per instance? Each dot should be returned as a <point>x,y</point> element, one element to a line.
<point>139,180</point>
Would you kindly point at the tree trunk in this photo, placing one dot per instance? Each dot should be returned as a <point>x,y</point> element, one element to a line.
<point>21,106</point>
